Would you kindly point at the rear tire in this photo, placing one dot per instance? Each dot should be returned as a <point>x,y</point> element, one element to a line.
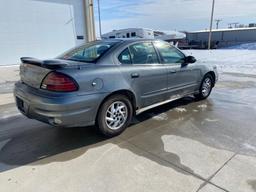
<point>205,88</point>
<point>114,115</point>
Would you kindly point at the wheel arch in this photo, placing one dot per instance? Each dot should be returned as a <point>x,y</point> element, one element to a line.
<point>129,94</point>
<point>213,75</point>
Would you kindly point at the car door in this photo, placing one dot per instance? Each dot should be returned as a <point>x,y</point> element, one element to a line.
<point>146,76</point>
<point>182,78</point>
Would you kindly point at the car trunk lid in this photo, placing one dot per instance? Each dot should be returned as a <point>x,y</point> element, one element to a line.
<point>33,71</point>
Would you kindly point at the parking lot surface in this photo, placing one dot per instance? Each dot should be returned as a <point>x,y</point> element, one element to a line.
<point>183,146</point>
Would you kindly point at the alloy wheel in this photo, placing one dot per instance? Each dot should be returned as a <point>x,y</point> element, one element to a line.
<point>116,115</point>
<point>206,87</point>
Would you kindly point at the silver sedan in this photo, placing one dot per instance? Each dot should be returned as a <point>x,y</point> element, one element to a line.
<point>105,83</point>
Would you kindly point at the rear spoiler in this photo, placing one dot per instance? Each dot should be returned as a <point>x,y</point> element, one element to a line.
<point>49,64</point>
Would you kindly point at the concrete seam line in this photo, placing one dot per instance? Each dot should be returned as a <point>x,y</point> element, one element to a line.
<point>214,174</point>
<point>206,181</point>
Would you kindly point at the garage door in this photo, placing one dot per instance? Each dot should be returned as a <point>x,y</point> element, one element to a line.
<point>39,28</point>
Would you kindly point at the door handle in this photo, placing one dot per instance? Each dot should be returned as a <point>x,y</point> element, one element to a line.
<point>135,75</point>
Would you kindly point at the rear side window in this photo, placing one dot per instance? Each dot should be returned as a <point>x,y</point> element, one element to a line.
<point>125,57</point>
<point>143,53</point>
<point>89,52</point>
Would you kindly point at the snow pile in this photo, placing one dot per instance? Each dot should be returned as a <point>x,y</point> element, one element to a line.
<point>228,60</point>
<point>246,46</point>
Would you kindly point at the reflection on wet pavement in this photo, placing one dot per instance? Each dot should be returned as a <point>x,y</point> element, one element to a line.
<point>191,137</point>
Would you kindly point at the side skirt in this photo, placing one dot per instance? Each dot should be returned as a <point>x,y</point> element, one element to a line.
<point>173,98</point>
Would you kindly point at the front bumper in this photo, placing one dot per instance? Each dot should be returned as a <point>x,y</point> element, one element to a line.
<point>216,74</point>
<point>62,110</point>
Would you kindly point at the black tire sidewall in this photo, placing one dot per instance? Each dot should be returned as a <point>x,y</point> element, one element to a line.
<point>102,126</point>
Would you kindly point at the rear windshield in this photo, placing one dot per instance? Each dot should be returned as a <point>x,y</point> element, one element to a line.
<point>89,52</point>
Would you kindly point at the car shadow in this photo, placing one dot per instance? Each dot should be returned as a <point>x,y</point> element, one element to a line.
<point>38,144</point>
<point>45,143</point>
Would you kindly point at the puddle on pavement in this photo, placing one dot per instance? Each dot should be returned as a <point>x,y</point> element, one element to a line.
<point>214,122</point>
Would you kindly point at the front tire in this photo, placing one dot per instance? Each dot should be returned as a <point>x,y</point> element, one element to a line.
<point>205,88</point>
<point>114,115</point>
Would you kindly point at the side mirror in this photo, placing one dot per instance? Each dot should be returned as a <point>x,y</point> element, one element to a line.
<point>190,59</point>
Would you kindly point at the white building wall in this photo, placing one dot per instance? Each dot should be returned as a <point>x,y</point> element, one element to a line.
<point>39,28</point>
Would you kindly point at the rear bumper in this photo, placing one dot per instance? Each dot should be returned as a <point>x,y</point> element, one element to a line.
<point>57,110</point>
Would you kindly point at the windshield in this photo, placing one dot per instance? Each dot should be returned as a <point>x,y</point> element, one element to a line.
<point>89,52</point>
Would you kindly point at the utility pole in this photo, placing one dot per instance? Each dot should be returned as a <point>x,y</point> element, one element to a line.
<point>217,23</point>
<point>99,18</point>
<point>210,32</point>
<point>236,24</point>
<point>89,20</point>
<point>230,25</point>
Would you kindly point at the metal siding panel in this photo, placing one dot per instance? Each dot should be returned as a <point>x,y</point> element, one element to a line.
<point>225,37</point>
<point>39,28</point>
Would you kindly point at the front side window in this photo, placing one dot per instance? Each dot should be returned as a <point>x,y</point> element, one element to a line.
<point>169,53</point>
<point>143,53</point>
<point>89,52</point>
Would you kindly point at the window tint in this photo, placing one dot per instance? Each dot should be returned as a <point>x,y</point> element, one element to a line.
<point>89,52</point>
<point>143,53</point>
<point>125,57</point>
<point>133,34</point>
<point>169,53</point>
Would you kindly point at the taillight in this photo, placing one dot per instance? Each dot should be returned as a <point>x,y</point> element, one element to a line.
<point>59,82</point>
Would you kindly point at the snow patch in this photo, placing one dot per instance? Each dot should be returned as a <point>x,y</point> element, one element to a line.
<point>246,46</point>
<point>180,110</point>
<point>203,106</point>
<point>160,117</point>
<point>227,60</point>
<point>248,146</point>
<point>211,120</point>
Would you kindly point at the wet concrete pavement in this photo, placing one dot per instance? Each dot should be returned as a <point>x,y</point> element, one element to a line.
<point>185,145</point>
